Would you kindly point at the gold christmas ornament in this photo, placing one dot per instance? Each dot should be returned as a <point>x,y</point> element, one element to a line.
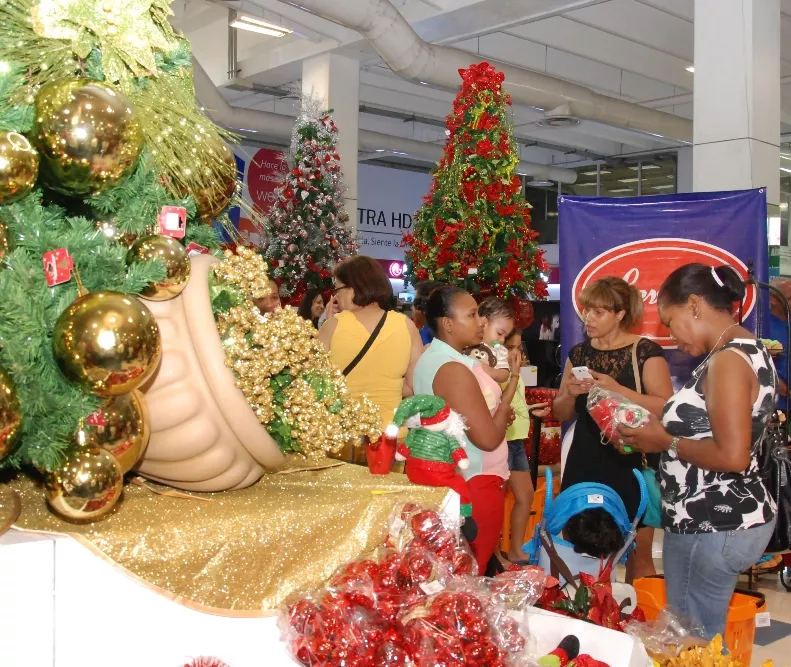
<point>86,487</point>
<point>18,167</point>
<point>87,135</point>
<point>4,243</point>
<point>121,427</point>
<point>107,343</point>
<point>10,415</point>
<point>173,255</point>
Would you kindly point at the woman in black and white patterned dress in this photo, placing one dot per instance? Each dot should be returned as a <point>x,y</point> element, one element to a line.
<point>717,513</point>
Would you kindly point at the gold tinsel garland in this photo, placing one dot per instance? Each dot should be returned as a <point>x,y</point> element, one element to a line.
<point>246,271</point>
<point>259,348</point>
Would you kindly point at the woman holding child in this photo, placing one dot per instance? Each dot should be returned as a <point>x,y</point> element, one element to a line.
<point>443,370</point>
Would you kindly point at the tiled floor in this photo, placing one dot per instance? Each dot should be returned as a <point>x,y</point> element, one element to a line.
<point>779,605</point>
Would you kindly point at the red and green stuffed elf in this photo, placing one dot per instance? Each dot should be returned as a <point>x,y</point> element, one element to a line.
<point>432,449</point>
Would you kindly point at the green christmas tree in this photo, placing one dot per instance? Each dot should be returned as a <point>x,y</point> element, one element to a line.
<point>99,130</point>
<point>474,227</point>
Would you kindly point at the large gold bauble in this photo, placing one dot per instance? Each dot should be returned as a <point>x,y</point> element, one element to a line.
<point>219,186</point>
<point>120,426</point>
<point>175,258</point>
<point>87,135</point>
<point>10,415</point>
<point>107,343</point>
<point>86,487</point>
<point>18,167</point>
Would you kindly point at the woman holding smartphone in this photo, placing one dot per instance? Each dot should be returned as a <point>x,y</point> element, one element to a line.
<point>611,307</point>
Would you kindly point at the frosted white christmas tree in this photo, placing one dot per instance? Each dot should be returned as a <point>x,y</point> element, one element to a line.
<point>307,229</point>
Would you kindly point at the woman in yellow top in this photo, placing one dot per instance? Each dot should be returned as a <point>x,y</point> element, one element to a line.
<point>362,296</point>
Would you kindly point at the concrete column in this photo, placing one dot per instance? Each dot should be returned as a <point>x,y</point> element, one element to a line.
<point>684,170</point>
<point>737,96</point>
<point>336,80</point>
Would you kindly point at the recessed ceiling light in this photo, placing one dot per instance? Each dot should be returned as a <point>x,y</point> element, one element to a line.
<point>691,69</point>
<point>380,150</point>
<point>783,206</point>
<point>593,173</point>
<point>628,180</point>
<point>585,185</point>
<point>663,187</point>
<point>646,166</point>
<point>622,190</point>
<point>252,24</point>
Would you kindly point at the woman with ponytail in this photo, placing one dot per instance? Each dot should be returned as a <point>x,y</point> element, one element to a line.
<point>717,514</point>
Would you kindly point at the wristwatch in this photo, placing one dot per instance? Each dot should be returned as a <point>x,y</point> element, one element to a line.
<point>673,449</point>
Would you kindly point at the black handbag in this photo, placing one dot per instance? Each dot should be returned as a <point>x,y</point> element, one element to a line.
<point>776,472</point>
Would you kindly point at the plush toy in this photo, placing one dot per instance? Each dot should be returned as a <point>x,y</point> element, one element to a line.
<point>566,651</point>
<point>432,448</point>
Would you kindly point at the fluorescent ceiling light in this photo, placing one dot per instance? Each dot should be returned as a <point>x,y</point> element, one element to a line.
<point>253,24</point>
<point>380,150</point>
<point>622,190</point>
<point>585,185</point>
<point>244,129</point>
<point>593,173</point>
<point>691,69</point>
<point>399,153</point>
<point>646,166</point>
<point>788,171</point>
<point>783,206</point>
<point>785,156</point>
<point>663,187</point>
<point>628,180</point>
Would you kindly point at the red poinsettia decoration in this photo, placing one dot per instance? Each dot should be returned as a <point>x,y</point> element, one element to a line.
<point>593,602</point>
<point>473,229</point>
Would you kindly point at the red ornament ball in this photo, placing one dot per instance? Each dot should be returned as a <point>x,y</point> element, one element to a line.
<point>426,525</point>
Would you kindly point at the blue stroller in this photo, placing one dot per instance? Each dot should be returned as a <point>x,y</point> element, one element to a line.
<point>555,555</point>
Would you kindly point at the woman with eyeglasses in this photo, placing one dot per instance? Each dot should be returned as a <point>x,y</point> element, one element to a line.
<point>376,347</point>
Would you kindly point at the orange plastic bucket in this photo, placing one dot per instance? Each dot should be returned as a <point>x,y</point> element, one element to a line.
<point>537,509</point>
<point>739,627</point>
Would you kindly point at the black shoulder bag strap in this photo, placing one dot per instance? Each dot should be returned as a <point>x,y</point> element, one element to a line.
<point>374,335</point>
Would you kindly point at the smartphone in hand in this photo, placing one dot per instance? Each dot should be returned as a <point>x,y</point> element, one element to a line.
<point>582,373</point>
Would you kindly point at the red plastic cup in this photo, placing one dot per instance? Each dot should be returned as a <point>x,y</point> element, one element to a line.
<point>380,455</point>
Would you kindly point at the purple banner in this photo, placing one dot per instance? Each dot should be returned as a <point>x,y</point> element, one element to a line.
<point>644,239</point>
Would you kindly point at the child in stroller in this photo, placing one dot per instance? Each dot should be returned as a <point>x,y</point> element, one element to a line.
<point>583,529</point>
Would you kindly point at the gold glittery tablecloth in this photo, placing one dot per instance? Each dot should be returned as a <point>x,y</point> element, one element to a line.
<point>245,551</point>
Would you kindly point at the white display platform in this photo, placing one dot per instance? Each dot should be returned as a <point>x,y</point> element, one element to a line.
<point>61,605</point>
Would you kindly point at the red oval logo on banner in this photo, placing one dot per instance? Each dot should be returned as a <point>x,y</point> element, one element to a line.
<point>646,264</point>
<point>265,173</point>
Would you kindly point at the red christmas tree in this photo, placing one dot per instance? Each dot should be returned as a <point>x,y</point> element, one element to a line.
<point>474,227</point>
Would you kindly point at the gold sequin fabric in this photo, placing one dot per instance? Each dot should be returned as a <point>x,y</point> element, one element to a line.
<point>243,550</point>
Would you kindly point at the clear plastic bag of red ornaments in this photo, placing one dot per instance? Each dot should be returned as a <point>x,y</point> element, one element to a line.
<point>412,526</point>
<point>518,589</point>
<point>609,410</point>
<point>353,625</point>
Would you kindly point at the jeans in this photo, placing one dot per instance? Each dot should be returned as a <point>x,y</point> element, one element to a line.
<point>701,571</point>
